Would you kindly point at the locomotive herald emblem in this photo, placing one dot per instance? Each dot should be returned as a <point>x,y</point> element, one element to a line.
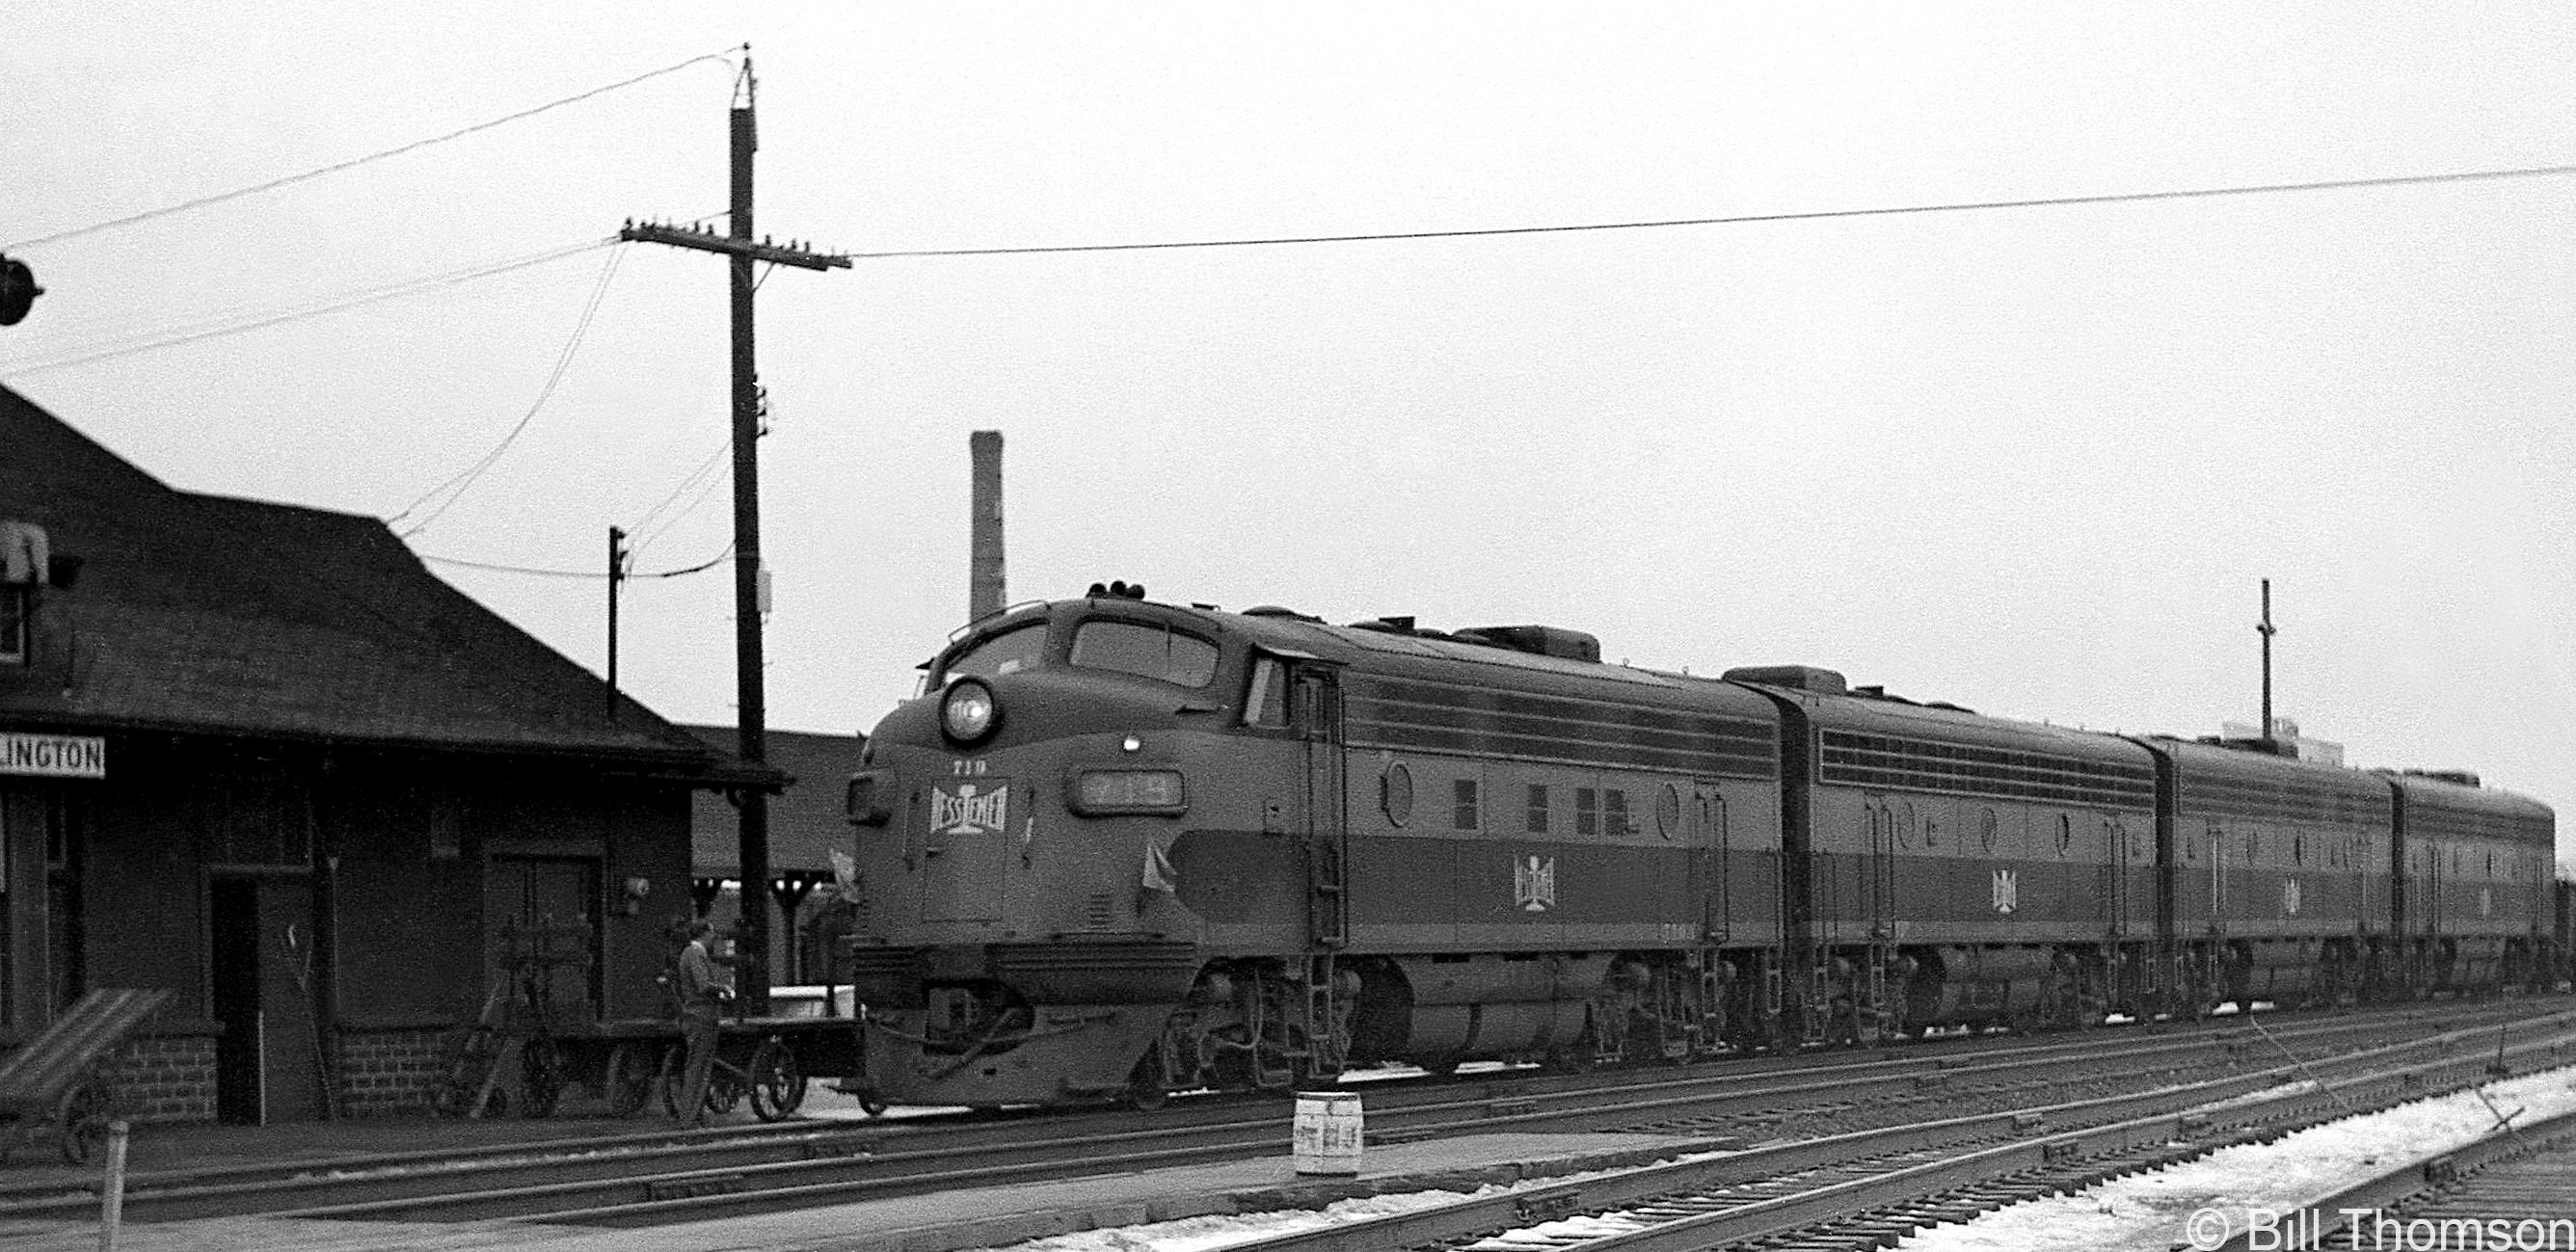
<point>2006,895</point>
<point>970,808</point>
<point>2290,896</point>
<point>1534,883</point>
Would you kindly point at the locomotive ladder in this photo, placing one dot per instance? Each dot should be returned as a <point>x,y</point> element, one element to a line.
<point>1323,1034</point>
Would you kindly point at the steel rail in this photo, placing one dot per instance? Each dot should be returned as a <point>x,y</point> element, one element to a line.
<point>673,1169</point>
<point>1981,1149</point>
<point>2420,1175</point>
<point>702,1195</point>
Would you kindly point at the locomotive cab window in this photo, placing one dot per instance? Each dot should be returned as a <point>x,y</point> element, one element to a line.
<point>1265,694</point>
<point>1018,648</point>
<point>1156,652</point>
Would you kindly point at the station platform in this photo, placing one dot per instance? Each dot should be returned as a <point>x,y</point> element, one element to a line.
<point>938,1222</point>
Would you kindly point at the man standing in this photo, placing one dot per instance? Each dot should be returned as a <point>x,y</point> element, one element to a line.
<point>704,987</point>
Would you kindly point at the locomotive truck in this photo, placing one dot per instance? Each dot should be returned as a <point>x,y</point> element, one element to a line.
<point>1120,848</point>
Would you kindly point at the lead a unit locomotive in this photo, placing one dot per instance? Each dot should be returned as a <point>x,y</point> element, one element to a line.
<point>1123,848</point>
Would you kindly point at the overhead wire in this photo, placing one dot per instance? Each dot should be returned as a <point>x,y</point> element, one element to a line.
<point>234,324</point>
<point>1966,206</point>
<point>686,482</point>
<point>464,479</point>
<point>726,57</point>
<point>497,567</point>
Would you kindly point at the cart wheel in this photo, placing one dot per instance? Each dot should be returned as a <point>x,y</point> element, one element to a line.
<point>725,1085</point>
<point>82,1121</point>
<point>631,1079</point>
<point>541,1077</point>
<point>777,1081</point>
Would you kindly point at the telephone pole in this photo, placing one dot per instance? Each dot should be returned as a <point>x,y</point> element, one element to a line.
<point>751,942</point>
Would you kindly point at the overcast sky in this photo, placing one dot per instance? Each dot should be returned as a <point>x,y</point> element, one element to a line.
<point>2033,461</point>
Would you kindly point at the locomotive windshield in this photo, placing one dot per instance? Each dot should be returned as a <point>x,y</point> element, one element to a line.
<point>1153,651</point>
<point>1015,649</point>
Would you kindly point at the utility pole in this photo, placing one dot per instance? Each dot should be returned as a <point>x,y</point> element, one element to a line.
<point>2266,629</point>
<point>751,941</point>
<point>616,575</point>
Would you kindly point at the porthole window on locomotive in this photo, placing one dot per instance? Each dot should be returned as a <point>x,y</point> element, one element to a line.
<point>1668,810</point>
<point>2298,849</point>
<point>1395,793</point>
<point>2253,845</point>
<point>1986,830</point>
<point>2065,834</point>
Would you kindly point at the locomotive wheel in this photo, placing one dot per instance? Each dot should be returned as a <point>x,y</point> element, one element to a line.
<point>777,1081</point>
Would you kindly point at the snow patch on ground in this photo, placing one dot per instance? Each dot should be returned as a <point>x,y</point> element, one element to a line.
<point>2146,1213</point>
<point>1204,1234</point>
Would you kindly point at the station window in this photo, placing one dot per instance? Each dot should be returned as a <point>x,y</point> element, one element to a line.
<point>1538,808</point>
<point>1587,811</point>
<point>1614,812</point>
<point>1463,815</point>
<point>13,625</point>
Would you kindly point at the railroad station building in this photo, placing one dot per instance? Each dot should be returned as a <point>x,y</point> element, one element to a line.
<point>258,755</point>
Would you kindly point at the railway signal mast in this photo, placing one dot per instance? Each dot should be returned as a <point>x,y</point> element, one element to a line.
<point>752,935</point>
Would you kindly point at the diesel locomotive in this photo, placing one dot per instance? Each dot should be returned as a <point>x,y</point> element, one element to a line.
<point>1120,848</point>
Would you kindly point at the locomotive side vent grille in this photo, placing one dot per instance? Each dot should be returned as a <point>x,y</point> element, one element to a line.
<point>1097,915</point>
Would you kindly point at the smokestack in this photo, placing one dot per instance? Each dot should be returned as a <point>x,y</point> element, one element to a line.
<point>984,588</point>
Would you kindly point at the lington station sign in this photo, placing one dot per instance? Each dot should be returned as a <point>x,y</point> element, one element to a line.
<point>53,756</point>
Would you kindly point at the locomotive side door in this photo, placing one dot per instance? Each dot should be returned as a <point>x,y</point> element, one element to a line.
<point>1709,869</point>
<point>2115,873</point>
<point>1318,705</point>
<point>1878,872</point>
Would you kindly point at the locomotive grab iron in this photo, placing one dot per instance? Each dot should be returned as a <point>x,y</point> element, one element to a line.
<point>1122,848</point>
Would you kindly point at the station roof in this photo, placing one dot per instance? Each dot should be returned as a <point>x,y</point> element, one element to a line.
<point>213,615</point>
<point>806,820</point>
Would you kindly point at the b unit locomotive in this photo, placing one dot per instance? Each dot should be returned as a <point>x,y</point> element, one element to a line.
<point>1122,848</point>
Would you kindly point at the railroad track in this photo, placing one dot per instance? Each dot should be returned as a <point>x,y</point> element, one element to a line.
<point>2524,1177</point>
<point>1865,1189</point>
<point>672,1176</point>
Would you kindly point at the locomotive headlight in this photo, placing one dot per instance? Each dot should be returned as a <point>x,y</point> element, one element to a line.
<point>1104,792</point>
<point>968,712</point>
